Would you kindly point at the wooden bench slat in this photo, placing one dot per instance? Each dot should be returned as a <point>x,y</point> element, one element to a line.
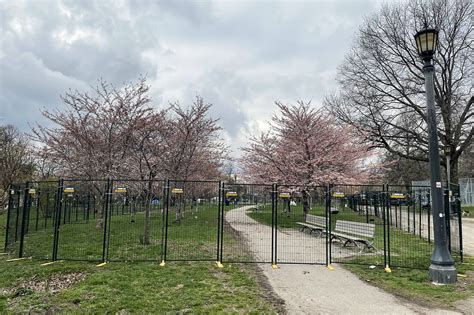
<point>314,223</point>
<point>355,232</point>
<point>355,228</point>
<point>317,220</point>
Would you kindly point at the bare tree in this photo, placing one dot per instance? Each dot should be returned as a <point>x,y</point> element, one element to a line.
<point>466,162</point>
<point>16,160</point>
<point>116,133</point>
<point>381,81</point>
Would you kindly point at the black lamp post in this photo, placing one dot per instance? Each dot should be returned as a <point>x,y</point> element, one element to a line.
<point>442,268</point>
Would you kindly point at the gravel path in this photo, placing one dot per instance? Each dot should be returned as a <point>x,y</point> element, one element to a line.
<point>468,235</point>
<point>313,289</point>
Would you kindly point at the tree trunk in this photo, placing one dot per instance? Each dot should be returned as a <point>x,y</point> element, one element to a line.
<point>305,203</point>
<point>99,222</point>
<point>146,228</point>
<point>454,171</point>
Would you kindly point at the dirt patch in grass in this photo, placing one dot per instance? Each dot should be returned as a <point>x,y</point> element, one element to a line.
<point>53,284</point>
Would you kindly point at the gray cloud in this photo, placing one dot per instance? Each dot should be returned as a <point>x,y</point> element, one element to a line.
<point>239,55</point>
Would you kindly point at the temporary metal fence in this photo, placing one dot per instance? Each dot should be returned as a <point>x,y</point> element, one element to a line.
<point>176,220</point>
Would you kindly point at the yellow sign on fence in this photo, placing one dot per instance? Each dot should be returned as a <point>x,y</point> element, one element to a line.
<point>397,196</point>
<point>231,194</point>
<point>284,195</point>
<point>69,190</point>
<point>338,195</point>
<point>120,190</point>
<point>32,191</point>
<point>177,190</point>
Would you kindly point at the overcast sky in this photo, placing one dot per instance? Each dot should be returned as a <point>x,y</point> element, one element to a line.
<point>240,56</point>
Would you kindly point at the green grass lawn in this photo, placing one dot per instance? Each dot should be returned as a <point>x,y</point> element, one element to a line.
<point>470,209</point>
<point>197,287</point>
<point>144,287</point>
<point>192,237</point>
<point>138,287</point>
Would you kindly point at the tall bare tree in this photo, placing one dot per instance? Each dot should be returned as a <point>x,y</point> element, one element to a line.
<point>381,82</point>
<point>16,160</point>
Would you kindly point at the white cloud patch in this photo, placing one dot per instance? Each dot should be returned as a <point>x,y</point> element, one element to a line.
<point>239,55</point>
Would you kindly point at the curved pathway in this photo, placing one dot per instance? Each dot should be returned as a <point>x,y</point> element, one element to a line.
<point>313,289</point>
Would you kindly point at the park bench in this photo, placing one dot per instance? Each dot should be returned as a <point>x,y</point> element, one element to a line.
<point>255,207</point>
<point>356,233</point>
<point>313,223</point>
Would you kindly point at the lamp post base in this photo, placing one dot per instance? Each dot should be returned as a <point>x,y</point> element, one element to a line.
<point>443,274</point>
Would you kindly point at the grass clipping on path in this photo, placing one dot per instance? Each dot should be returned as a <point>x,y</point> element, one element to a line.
<point>414,284</point>
<point>197,287</point>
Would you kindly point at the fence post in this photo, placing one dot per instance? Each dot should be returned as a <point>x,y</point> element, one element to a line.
<point>275,226</point>
<point>109,223</point>
<point>38,198</point>
<point>105,218</point>
<point>222,223</point>
<point>429,218</point>
<point>219,202</point>
<point>57,218</point>
<point>328,225</point>
<point>386,229</point>
<point>23,219</point>
<point>46,210</point>
<point>11,192</point>
<point>165,201</point>
<point>28,210</point>
<point>388,224</point>
<point>366,206</point>
<point>458,207</point>
<point>165,238</point>
<point>447,217</point>
<point>17,211</point>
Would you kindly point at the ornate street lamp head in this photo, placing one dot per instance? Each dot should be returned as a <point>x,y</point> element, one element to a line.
<point>447,150</point>
<point>426,42</point>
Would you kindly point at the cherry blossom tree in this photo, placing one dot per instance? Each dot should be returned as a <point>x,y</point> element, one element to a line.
<point>195,148</point>
<point>116,133</point>
<point>93,136</point>
<point>181,144</point>
<point>305,147</point>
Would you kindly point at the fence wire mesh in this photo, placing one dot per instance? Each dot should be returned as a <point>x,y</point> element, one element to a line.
<point>247,223</point>
<point>357,233</point>
<point>158,220</point>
